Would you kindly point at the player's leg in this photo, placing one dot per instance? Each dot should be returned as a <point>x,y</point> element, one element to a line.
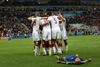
<point>36,48</point>
<point>59,42</point>
<point>54,46</point>
<point>33,43</point>
<point>36,39</point>
<point>50,47</point>
<point>44,47</point>
<point>60,60</point>
<point>40,41</point>
<point>9,37</point>
<point>81,61</point>
<point>66,45</point>
<point>49,42</point>
<point>54,40</point>
<point>39,44</point>
<point>47,47</point>
<point>59,46</point>
<point>64,38</point>
<point>44,34</point>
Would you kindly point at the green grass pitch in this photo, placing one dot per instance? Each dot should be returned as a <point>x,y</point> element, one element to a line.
<point>19,53</point>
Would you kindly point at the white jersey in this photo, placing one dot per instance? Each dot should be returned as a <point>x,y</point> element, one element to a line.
<point>56,33</point>
<point>46,32</point>
<point>36,23</point>
<point>62,25</point>
<point>46,26</point>
<point>54,21</point>
<point>36,33</point>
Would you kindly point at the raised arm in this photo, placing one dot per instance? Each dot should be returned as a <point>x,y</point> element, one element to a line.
<point>43,17</point>
<point>61,17</point>
<point>30,18</point>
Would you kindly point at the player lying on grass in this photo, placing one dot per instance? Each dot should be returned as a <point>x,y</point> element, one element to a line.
<point>72,59</point>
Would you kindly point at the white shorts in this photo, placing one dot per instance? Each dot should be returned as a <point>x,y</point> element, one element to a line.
<point>56,33</point>
<point>46,34</point>
<point>36,35</point>
<point>64,35</point>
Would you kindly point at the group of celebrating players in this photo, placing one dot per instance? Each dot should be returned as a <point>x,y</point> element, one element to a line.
<point>53,30</point>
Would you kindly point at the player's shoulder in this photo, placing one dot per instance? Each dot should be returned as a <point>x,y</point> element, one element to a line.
<point>49,17</point>
<point>55,16</point>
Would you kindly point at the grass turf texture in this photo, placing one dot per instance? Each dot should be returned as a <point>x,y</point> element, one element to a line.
<point>19,53</point>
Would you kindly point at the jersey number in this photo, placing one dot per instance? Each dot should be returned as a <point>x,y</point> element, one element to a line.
<point>55,21</point>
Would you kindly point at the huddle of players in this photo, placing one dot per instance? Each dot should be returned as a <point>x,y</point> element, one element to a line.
<point>53,32</point>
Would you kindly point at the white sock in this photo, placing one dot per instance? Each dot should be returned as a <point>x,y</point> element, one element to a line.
<point>56,45</point>
<point>66,47</point>
<point>47,49</point>
<point>54,49</point>
<point>36,50</point>
<point>50,52</point>
<point>44,51</point>
<point>59,50</point>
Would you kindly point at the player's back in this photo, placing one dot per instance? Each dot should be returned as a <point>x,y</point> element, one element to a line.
<point>36,23</point>
<point>54,21</point>
<point>71,58</point>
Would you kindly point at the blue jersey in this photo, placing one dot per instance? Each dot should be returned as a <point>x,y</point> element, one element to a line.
<point>9,33</point>
<point>71,59</point>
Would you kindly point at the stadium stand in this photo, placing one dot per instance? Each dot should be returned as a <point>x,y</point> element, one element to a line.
<point>16,17</point>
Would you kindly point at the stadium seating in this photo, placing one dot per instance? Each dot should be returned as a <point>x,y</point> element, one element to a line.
<point>16,17</point>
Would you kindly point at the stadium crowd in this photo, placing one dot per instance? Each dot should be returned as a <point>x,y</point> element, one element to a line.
<point>48,2</point>
<point>16,18</point>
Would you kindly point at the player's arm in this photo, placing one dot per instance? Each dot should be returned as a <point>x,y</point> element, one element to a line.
<point>62,62</point>
<point>61,17</point>
<point>43,17</point>
<point>30,18</point>
<point>45,23</point>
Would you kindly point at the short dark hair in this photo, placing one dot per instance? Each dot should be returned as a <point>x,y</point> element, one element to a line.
<point>49,13</point>
<point>37,14</point>
<point>53,13</point>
